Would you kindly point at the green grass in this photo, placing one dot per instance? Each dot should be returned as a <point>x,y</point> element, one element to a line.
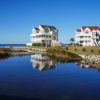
<point>84,50</point>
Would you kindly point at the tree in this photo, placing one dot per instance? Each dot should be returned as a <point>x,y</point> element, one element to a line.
<point>72,40</point>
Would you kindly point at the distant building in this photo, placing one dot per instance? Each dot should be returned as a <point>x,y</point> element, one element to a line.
<point>88,36</point>
<point>44,35</point>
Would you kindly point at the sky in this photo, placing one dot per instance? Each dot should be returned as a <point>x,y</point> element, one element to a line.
<point>18,17</point>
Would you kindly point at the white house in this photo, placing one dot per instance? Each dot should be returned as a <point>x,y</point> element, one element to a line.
<point>87,36</point>
<point>44,35</point>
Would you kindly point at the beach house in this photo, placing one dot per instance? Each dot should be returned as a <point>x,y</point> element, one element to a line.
<point>87,36</point>
<point>44,35</point>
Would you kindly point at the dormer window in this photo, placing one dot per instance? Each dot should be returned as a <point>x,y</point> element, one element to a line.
<point>86,31</point>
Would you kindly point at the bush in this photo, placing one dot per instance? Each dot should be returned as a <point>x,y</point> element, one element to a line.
<point>84,49</point>
<point>92,50</point>
<point>80,45</point>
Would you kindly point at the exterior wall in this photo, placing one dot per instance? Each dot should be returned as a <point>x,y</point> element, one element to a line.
<point>87,37</point>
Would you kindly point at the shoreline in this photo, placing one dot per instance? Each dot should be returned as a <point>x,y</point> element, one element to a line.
<point>93,59</point>
<point>7,52</point>
<point>57,53</point>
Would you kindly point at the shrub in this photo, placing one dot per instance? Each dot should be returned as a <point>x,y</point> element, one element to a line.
<point>84,49</point>
<point>92,50</point>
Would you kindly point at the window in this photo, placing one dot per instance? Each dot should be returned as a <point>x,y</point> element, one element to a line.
<point>81,41</point>
<point>81,36</point>
<point>49,36</point>
<point>46,36</point>
<point>46,30</point>
<point>87,32</point>
<point>97,34</point>
<point>54,38</point>
<point>43,35</point>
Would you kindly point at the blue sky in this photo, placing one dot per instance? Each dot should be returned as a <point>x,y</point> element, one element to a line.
<point>18,17</point>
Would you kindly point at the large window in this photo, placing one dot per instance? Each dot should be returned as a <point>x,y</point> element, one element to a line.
<point>81,36</point>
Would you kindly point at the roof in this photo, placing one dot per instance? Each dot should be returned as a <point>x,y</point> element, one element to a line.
<point>78,30</point>
<point>44,26</point>
<point>91,27</point>
<point>36,28</point>
<point>48,27</point>
<point>52,27</point>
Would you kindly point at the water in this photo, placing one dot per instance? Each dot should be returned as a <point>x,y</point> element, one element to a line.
<point>38,77</point>
<point>3,45</point>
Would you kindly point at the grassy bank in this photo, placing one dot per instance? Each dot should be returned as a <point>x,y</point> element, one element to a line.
<point>62,54</point>
<point>84,50</point>
<point>7,52</point>
<point>4,52</point>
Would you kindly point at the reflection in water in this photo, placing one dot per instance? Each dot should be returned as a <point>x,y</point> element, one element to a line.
<point>84,64</point>
<point>42,62</point>
<point>18,81</point>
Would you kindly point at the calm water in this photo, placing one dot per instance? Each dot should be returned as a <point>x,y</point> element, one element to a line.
<point>3,45</point>
<point>36,77</point>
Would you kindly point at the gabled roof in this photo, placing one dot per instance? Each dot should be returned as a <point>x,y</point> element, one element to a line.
<point>52,27</point>
<point>36,28</point>
<point>44,26</point>
<point>48,27</point>
<point>91,27</point>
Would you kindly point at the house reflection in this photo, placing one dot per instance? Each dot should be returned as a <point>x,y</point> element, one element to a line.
<point>42,62</point>
<point>88,65</point>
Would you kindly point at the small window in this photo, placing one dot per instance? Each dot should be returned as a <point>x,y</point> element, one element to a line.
<point>87,31</point>
<point>49,36</point>
<point>97,34</point>
<point>81,41</point>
